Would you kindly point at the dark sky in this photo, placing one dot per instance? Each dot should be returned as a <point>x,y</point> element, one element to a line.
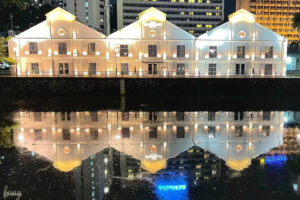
<point>229,8</point>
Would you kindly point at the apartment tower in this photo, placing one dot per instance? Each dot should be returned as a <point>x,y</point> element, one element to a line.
<point>276,15</point>
<point>194,16</point>
<point>94,13</point>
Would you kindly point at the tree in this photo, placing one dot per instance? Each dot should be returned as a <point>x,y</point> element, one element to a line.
<point>4,52</point>
<point>19,3</point>
<point>296,21</point>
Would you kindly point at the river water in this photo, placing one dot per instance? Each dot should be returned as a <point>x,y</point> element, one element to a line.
<point>103,150</point>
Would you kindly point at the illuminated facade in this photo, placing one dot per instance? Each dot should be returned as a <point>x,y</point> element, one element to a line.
<point>194,16</point>
<point>68,138</point>
<point>149,47</point>
<point>242,47</point>
<point>276,15</point>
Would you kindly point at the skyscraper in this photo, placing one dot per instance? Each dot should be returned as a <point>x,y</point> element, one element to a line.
<point>276,15</point>
<point>95,13</point>
<point>194,16</point>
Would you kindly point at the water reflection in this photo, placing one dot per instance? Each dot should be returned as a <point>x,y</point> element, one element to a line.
<point>171,150</point>
<point>68,138</point>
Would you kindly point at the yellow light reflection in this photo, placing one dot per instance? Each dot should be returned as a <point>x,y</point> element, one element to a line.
<point>66,166</point>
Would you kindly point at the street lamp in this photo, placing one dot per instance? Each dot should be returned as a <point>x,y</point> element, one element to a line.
<point>116,52</point>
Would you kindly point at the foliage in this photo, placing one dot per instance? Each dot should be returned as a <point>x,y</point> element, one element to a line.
<point>22,4</point>
<point>4,52</point>
<point>296,21</point>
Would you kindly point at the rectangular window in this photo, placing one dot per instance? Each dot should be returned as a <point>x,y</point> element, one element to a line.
<point>180,116</point>
<point>266,130</point>
<point>153,116</point>
<point>125,133</point>
<point>93,68</point>
<point>35,68</point>
<point>91,48</point>
<point>266,116</point>
<point>211,116</point>
<point>212,69</point>
<point>37,116</point>
<point>65,116</point>
<point>124,50</point>
<point>94,134</point>
<point>33,48</point>
<point>62,48</point>
<point>212,130</point>
<point>180,132</point>
<point>213,51</point>
<point>153,133</point>
<point>124,68</point>
<point>238,131</point>
<point>269,52</point>
<point>152,50</point>
<point>63,68</point>
<point>180,69</point>
<point>66,134</point>
<point>125,116</point>
<point>268,69</point>
<point>238,116</point>
<point>241,52</point>
<point>180,51</point>
<point>94,116</point>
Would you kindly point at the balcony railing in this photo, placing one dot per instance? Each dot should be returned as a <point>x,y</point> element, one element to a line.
<point>139,74</point>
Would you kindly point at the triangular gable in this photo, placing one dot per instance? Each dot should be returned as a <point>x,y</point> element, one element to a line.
<point>242,16</point>
<point>152,14</point>
<point>176,33</point>
<point>218,33</point>
<point>132,31</point>
<point>60,14</point>
<point>40,30</point>
<point>264,33</point>
<point>85,32</point>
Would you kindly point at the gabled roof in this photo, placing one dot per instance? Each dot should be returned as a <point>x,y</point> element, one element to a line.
<point>152,14</point>
<point>242,15</point>
<point>59,13</point>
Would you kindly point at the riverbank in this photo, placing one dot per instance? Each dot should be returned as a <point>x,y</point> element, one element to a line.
<point>134,87</point>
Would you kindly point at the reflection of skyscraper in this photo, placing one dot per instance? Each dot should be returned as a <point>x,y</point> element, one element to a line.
<point>95,175</point>
<point>200,165</point>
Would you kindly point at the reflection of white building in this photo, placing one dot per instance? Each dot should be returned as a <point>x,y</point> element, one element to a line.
<point>151,137</point>
<point>151,46</point>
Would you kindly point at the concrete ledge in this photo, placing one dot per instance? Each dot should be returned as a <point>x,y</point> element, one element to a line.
<point>150,87</point>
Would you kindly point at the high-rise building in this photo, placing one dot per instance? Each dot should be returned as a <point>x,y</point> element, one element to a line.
<point>276,15</point>
<point>194,16</point>
<point>94,13</point>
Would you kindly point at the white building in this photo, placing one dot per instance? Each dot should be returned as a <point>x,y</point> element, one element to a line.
<point>242,47</point>
<point>151,46</point>
<point>68,138</point>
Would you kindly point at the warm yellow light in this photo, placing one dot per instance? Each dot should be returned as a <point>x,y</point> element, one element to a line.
<point>60,14</point>
<point>66,166</point>
<point>152,14</point>
<point>238,165</point>
<point>153,166</point>
<point>242,16</point>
